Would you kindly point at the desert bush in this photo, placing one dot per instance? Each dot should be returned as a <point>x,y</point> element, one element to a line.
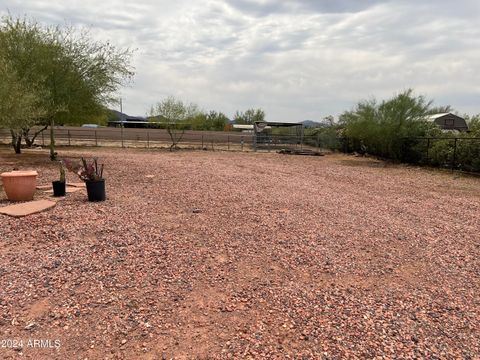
<point>439,148</point>
<point>382,128</point>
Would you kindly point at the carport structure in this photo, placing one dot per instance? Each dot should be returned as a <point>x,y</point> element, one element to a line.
<point>277,135</point>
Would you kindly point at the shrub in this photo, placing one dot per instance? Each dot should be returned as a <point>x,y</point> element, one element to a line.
<point>382,128</point>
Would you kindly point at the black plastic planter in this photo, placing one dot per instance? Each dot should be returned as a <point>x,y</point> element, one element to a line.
<point>58,188</point>
<point>96,190</point>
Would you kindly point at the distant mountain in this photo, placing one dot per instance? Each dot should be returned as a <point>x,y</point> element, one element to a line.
<point>115,115</point>
<point>311,124</point>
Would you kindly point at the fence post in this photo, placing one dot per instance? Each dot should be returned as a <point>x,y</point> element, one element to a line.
<point>96,139</point>
<point>68,134</point>
<point>213,149</point>
<point>121,134</point>
<point>318,141</point>
<point>454,154</point>
<point>202,142</point>
<point>148,139</point>
<point>228,142</point>
<point>241,139</point>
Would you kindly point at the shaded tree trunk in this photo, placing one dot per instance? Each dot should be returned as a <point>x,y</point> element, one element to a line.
<point>176,136</point>
<point>30,141</point>
<point>16,141</point>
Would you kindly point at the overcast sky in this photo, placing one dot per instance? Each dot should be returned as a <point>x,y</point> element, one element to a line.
<point>297,60</point>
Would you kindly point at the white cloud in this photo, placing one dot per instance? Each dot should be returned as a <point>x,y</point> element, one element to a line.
<point>296,59</point>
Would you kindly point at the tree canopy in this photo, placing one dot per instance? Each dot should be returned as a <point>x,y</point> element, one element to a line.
<point>211,121</point>
<point>19,104</point>
<point>175,116</point>
<point>249,117</point>
<point>172,110</point>
<point>380,128</point>
<point>71,75</point>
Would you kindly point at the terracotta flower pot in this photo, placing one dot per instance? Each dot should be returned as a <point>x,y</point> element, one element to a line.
<point>19,185</point>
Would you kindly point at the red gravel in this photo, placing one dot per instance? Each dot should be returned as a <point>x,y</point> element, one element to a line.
<point>231,255</point>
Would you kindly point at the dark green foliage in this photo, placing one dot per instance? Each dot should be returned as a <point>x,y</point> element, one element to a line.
<point>212,121</point>
<point>474,125</point>
<point>381,129</point>
<point>72,75</point>
<point>396,129</point>
<point>462,154</point>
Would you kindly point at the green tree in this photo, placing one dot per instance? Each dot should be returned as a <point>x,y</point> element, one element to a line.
<point>249,117</point>
<point>175,116</point>
<point>216,120</point>
<point>211,121</point>
<point>384,128</point>
<point>77,75</point>
<point>18,105</point>
<point>328,121</point>
<point>199,122</point>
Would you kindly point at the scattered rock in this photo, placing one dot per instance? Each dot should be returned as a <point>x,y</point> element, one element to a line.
<point>30,326</point>
<point>291,258</point>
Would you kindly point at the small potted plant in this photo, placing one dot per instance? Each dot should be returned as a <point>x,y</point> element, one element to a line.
<point>92,174</point>
<point>59,185</point>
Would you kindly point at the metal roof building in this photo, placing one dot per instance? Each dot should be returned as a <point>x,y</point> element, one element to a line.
<point>448,121</point>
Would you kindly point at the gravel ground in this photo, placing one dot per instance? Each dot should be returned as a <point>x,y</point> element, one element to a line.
<point>234,255</point>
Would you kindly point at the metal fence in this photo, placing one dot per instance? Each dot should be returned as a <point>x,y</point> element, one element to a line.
<point>456,153</point>
<point>159,138</point>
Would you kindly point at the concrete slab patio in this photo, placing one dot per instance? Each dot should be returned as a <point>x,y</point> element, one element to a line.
<point>77,185</point>
<point>27,208</point>
<point>68,190</point>
<point>44,187</point>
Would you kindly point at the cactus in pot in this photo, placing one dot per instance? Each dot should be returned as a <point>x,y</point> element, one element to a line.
<point>59,186</point>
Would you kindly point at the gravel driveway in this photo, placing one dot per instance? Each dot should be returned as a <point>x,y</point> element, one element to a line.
<point>244,255</point>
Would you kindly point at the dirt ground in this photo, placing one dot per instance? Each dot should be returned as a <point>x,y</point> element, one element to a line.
<point>244,255</point>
